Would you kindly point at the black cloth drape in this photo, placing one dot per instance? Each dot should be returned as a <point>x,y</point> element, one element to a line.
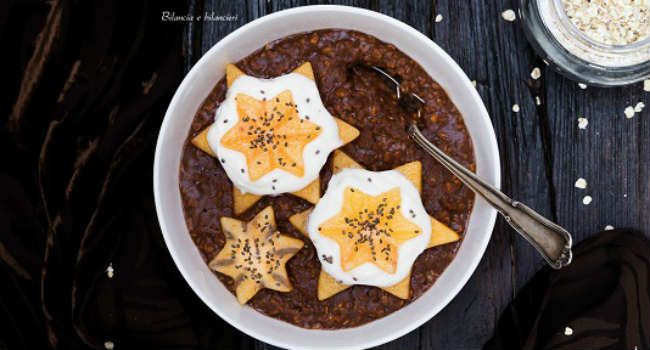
<point>603,297</point>
<point>87,84</point>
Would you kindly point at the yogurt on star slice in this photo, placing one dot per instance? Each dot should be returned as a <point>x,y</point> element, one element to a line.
<point>261,128</point>
<point>369,227</point>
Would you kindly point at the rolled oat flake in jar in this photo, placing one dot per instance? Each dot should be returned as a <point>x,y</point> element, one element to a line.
<point>597,42</point>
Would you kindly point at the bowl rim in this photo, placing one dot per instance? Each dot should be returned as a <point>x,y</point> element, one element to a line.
<point>495,167</point>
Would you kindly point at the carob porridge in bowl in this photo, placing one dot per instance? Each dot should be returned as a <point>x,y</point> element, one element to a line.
<point>304,195</point>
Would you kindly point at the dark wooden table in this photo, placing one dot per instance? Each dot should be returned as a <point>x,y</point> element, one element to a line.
<point>542,150</point>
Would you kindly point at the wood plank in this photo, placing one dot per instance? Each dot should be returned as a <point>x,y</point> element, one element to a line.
<point>418,15</point>
<point>491,51</point>
<point>192,36</point>
<point>278,5</point>
<point>210,33</point>
<point>612,154</point>
<point>213,31</point>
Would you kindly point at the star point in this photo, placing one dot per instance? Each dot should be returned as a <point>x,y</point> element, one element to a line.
<point>255,255</point>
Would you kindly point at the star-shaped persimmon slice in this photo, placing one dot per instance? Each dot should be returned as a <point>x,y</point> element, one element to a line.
<point>440,233</point>
<point>311,193</point>
<point>255,255</point>
<point>370,229</point>
<point>270,134</point>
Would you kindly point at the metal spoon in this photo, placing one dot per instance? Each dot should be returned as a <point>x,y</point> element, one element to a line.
<point>551,240</point>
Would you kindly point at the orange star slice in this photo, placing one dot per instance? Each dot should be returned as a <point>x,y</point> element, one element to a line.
<point>311,193</point>
<point>370,229</point>
<point>270,134</point>
<point>255,255</point>
<point>440,233</point>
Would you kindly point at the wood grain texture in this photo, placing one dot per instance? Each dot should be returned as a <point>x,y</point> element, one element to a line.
<point>542,150</point>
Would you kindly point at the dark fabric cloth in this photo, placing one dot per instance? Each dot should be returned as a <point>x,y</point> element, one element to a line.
<point>86,86</point>
<point>603,297</point>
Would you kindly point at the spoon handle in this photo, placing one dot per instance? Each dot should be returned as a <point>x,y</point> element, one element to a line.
<point>551,240</point>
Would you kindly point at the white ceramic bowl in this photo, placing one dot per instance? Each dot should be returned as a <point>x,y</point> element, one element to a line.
<point>196,86</point>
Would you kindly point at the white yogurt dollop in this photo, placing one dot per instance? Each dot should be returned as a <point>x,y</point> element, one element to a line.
<point>331,204</point>
<point>307,99</point>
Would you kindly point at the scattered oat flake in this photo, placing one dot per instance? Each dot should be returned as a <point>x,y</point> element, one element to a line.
<point>629,112</point>
<point>639,107</point>
<point>109,345</point>
<point>609,228</point>
<point>582,123</point>
<point>581,183</point>
<point>582,86</point>
<point>538,101</point>
<point>110,272</point>
<point>646,85</point>
<point>586,200</point>
<point>515,108</point>
<point>535,73</point>
<point>438,18</point>
<point>568,331</point>
<point>474,83</point>
<point>509,15</point>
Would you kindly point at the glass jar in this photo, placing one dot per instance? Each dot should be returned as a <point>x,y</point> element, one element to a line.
<point>573,54</point>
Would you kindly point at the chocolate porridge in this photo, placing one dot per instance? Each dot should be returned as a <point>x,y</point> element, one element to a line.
<point>360,97</point>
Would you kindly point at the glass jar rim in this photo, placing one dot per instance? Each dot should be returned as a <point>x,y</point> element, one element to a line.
<point>566,21</point>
